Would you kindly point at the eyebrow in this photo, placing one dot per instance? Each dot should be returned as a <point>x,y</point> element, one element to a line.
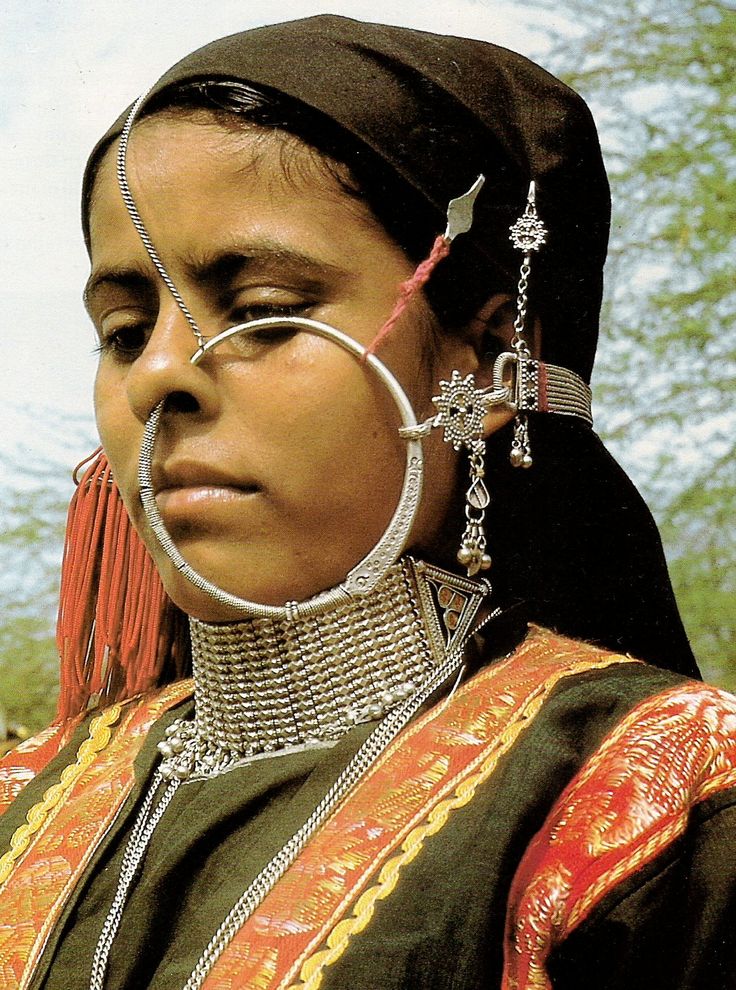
<point>222,266</point>
<point>131,278</point>
<point>228,261</point>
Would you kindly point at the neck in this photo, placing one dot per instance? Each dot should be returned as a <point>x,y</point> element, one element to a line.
<point>263,685</point>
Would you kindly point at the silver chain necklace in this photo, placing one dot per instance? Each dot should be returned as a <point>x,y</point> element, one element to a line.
<point>149,816</point>
<point>140,837</point>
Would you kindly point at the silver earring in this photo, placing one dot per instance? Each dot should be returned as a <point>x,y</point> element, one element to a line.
<point>528,234</point>
<point>462,407</point>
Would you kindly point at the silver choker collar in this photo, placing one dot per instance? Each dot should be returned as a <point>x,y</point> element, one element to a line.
<point>264,686</point>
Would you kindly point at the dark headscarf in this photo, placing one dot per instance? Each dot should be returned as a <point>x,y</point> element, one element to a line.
<point>572,535</point>
<point>439,111</point>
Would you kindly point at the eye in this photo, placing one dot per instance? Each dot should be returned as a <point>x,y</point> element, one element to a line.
<point>262,311</point>
<point>267,337</point>
<point>125,342</point>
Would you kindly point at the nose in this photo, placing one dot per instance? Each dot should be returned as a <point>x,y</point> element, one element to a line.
<point>163,371</point>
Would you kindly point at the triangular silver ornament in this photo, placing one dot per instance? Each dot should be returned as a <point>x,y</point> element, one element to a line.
<point>449,605</point>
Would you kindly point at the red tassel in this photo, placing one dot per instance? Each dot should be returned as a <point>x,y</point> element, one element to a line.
<point>117,632</point>
<point>408,289</point>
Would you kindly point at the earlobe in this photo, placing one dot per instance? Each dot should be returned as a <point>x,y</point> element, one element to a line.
<point>495,419</point>
<point>491,332</point>
<point>475,350</point>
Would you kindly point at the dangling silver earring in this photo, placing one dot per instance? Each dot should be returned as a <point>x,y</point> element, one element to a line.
<point>462,407</point>
<point>527,234</point>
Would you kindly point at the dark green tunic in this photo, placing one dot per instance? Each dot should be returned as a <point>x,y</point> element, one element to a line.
<point>670,926</point>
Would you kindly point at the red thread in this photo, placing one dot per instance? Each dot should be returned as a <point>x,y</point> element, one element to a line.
<point>543,397</point>
<point>117,631</point>
<point>408,289</point>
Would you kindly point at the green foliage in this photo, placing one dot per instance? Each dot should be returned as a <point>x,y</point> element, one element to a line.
<point>28,669</point>
<point>33,504</point>
<point>660,78</point>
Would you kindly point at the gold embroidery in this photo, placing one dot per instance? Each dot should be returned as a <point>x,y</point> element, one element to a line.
<point>98,739</point>
<point>312,970</point>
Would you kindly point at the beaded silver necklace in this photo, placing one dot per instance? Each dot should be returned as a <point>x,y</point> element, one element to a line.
<point>378,657</point>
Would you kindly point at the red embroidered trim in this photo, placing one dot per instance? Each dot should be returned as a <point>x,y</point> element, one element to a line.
<point>22,764</point>
<point>543,397</point>
<point>630,801</point>
<point>434,767</point>
<point>47,871</point>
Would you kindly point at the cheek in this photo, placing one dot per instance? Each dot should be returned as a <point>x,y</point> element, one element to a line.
<point>338,430</point>
<point>103,403</point>
<point>119,432</point>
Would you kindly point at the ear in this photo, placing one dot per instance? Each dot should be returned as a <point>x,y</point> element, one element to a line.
<point>490,332</point>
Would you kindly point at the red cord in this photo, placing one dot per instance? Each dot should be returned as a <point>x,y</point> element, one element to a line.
<point>408,289</point>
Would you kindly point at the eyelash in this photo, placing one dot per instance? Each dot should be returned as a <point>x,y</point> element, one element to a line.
<point>114,342</point>
<point>262,311</point>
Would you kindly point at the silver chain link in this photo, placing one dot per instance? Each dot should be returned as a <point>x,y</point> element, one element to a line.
<point>135,850</point>
<point>518,341</point>
<point>138,223</point>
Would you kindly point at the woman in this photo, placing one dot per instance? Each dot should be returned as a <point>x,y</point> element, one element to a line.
<point>380,776</point>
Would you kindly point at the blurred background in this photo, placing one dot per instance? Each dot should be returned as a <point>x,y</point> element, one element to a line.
<point>659,76</point>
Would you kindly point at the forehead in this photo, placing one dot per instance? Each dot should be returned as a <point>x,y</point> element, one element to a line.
<point>192,177</point>
<point>216,203</point>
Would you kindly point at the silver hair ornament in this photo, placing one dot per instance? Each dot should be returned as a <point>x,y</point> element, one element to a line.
<point>527,234</point>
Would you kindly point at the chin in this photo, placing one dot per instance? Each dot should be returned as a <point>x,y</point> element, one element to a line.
<point>268,588</point>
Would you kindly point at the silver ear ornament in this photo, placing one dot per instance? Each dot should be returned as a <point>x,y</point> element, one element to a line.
<point>527,234</point>
<point>462,408</point>
<point>520,383</point>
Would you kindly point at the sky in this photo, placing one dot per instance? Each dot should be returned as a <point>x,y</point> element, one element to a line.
<point>67,69</point>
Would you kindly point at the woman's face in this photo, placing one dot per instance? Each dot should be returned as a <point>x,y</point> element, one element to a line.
<point>277,464</point>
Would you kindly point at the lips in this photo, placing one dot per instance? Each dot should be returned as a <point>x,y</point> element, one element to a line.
<point>192,474</point>
<point>185,487</point>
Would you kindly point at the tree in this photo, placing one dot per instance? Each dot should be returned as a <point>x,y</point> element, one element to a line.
<point>659,75</point>
<point>33,506</point>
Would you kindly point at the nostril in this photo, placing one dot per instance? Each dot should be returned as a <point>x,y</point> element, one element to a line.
<point>181,402</point>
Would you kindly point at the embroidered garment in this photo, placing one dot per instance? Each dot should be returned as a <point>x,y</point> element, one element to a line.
<point>411,883</point>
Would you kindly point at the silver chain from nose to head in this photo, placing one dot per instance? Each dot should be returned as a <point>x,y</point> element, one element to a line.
<point>140,226</point>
